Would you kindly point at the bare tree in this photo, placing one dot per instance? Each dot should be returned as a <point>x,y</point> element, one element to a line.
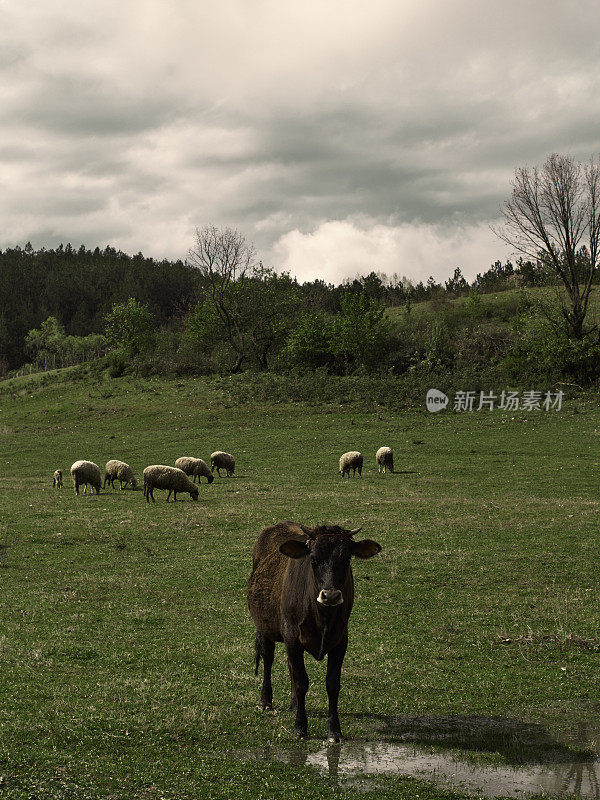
<point>248,305</point>
<point>225,259</point>
<point>553,215</point>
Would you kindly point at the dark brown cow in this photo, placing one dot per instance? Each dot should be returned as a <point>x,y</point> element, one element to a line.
<point>301,593</point>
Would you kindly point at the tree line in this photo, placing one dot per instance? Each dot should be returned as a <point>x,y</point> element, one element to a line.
<point>78,288</point>
<point>221,310</point>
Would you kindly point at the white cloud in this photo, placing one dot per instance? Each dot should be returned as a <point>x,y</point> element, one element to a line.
<point>343,249</point>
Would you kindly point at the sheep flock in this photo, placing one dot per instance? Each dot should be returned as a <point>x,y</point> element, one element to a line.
<point>175,479</point>
<point>181,477</point>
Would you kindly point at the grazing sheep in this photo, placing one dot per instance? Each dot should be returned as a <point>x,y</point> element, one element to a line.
<point>194,466</point>
<point>57,479</point>
<point>351,461</point>
<point>385,459</point>
<point>119,470</point>
<point>222,460</point>
<point>84,472</point>
<point>159,476</point>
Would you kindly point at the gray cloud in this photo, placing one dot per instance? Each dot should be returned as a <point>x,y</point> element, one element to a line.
<point>387,133</point>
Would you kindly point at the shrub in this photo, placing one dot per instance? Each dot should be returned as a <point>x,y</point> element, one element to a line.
<point>543,351</point>
<point>311,344</point>
<point>487,344</point>
<point>361,332</point>
<point>130,328</point>
<point>438,352</point>
<point>118,364</point>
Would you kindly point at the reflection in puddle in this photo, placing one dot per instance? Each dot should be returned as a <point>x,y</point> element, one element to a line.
<point>579,779</point>
<point>349,763</point>
<point>561,763</point>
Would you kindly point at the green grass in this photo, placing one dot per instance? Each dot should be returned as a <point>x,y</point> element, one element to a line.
<point>495,305</point>
<point>126,657</point>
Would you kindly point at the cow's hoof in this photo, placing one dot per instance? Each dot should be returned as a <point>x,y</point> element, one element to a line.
<point>334,738</point>
<point>267,707</point>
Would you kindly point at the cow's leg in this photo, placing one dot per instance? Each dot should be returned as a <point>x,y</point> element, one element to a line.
<point>332,682</point>
<point>299,677</point>
<point>293,702</point>
<point>268,654</point>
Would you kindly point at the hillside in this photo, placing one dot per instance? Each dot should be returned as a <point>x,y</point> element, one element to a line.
<point>75,306</point>
<point>501,306</point>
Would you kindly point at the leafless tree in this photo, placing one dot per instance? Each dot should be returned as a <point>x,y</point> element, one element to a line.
<point>553,215</point>
<point>225,260</point>
<point>247,305</point>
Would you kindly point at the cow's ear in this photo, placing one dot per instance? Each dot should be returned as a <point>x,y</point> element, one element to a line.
<point>294,549</point>
<point>367,548</point>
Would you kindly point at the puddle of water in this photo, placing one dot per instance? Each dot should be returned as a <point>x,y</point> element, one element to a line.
<point>557,754</point>
<point>578,779</point>
<point>350,763</point>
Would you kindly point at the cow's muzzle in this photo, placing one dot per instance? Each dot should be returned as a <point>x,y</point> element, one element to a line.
<point>330,597</point>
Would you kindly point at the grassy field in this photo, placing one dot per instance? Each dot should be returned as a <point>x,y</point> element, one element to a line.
<point>126,652</point>
<point>502,305</point>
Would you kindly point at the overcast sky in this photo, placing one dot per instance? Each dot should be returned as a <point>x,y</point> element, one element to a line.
<point>340,137</point>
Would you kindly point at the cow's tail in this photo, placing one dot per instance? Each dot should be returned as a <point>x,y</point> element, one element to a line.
<point>258,651</point>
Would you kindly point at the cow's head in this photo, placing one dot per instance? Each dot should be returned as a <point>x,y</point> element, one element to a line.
<point>329,549</point>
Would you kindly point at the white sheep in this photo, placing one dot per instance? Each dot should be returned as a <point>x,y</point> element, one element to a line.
<point>385,459</point>
<point>119,470</point>
<point>84,472</point>
<point>57,479</point>
<point>195,466</point>
<point>352,460</point>
<point>221,460</point>
<point>159,476</point>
